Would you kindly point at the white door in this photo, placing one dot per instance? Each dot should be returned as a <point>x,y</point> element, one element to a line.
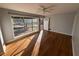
<point>46,24</point>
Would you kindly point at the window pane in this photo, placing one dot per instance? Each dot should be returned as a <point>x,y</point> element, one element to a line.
<point>35,24</point>
<point>25,25</point>
<point>28,24</point>
<point>18,26</point>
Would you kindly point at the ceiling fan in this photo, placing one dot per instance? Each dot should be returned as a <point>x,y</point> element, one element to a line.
<point>46,9</point>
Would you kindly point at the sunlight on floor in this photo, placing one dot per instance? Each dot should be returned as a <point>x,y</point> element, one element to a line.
<point>17,48</point>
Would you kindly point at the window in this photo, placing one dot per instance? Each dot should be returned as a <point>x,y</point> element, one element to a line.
<point>35,26</point>
<point>25,25</point>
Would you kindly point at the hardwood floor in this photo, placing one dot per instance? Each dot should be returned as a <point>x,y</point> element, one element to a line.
<point>55,44</point>
<point>52,44</point>
<point>17,48</point>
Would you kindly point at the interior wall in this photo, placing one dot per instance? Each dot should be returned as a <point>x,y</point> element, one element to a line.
<point>1,50</point>
<point>75,35</point>
<point>2,44</point>
<point>6,25</point>
<point>1,47</point>
<point>62,23</point>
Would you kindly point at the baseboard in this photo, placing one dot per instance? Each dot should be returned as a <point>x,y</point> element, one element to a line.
<point>62,33</point>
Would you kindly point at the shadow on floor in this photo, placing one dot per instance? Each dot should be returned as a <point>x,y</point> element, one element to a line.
<point>29,49</point>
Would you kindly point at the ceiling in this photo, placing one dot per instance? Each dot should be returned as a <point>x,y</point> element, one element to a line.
<point>34,7</point>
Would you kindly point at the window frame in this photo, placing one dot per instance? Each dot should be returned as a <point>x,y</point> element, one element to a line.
<point>22,33</point>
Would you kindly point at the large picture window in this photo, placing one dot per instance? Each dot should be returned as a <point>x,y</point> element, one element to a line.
<point>25,25</point>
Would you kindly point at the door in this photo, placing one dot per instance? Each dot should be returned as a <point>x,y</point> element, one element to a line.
<point>46,24</point>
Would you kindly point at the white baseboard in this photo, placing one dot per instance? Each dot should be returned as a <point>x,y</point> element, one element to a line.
<point>62,33</point>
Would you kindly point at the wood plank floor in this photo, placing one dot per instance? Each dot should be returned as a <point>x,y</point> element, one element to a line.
<point>52,44</point>
<point>55,44</point>
<point>17,48</point>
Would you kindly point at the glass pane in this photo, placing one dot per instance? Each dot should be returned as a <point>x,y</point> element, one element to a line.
<point>28,24</point>
<point>25,25</point>
<point>35,24</point>
<point>18,26</point>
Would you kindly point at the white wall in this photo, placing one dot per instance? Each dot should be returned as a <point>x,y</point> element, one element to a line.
<point>2,44</point>
<point>75,37</point>
<point>1,47</point>
<point>62,23</point>
<point>6,25</point>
